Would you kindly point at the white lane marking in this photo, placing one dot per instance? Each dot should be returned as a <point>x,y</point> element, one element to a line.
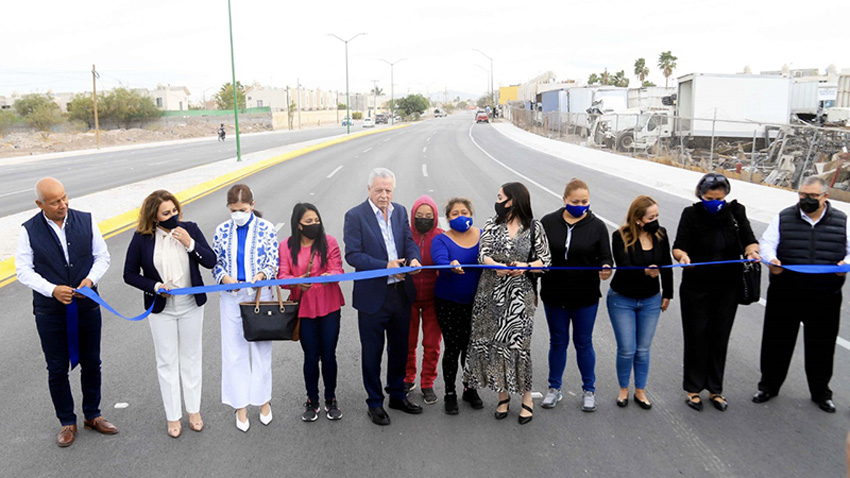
<point>334,171</point>
<point>839,341</point>
<point>120,405</point>
<point>425,170</point>
<point>367,150</point>
<point>278,226</point>
<point>15,192</point>
<point>425,149</point>
<point>553,193</point>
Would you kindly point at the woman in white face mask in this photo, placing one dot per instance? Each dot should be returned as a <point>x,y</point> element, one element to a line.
<point>246,250</point>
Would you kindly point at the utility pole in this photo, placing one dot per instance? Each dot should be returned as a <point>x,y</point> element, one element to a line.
<point>375,96</point>
<point>94,76</point>
<point>298,81</point>
<point>235,97</point>
<point>347,96</point>
<point>492,93</point>
<point>392,88</point>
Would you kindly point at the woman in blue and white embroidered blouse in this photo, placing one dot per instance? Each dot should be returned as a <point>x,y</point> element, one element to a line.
<point>246,250</point>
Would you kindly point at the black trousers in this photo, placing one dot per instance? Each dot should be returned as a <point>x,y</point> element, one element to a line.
<point>52,330</point>
<point>455,321</point>
<point>820,313</point>
<point>707,319</point>
<point>392,321</point>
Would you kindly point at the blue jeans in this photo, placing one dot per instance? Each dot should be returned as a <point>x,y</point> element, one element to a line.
<point>583,319</point>
<point>319,337</point>
<point>634,322</point>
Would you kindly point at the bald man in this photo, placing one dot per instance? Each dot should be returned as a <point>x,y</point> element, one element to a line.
<point>60,250</point>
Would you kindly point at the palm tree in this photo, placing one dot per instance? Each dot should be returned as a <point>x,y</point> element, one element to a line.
<point>605,77</point>
<point>593,79</point>
<point>619,79</point>
<point>667,63</point>
<point>376,92</point>
<point>641,70</point>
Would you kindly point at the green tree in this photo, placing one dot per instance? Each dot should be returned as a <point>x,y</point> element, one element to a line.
<point>411,104</point>
<point>462,105</point>
<point>224,97</point>
<point>7,119</point>
<point>647,83</point>
<point>641,70</point>
<point>44,116</point>
<point>28,103</point>
<point>124,107</point>
<point>593,79</point>
<point>81,108</point>
<point>667,63</point>
<point>619,79</point>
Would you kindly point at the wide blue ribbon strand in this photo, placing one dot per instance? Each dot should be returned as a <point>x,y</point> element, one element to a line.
<point>381,273</point>
<point>72,327</point>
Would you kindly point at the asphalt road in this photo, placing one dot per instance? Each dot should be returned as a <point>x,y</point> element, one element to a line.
<point>789,436</point>
<point>98,171</point>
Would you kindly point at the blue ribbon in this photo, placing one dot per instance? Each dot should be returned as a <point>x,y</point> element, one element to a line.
<point>381,273</point>
<point>72,325</point>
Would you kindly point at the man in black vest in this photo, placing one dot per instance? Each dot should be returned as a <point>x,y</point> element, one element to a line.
<point>810,232</point>
<point>59,250</point>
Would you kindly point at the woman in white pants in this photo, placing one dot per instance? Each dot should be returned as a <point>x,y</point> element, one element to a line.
<point>168,253</point>
<point>246,250</point>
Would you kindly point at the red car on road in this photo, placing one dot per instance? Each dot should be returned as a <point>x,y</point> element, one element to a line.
<point>482,116</point>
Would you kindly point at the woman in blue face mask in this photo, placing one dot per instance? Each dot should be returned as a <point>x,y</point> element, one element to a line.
<point>165,253</point>
<point>710,230</point>
<point>454,294</point>
<point>577,238</point>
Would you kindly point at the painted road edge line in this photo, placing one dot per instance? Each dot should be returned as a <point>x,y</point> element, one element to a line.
<point>123,222</point>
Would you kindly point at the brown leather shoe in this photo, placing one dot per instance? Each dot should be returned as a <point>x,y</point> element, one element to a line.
<point>66,435</point>
<point>100,424</point>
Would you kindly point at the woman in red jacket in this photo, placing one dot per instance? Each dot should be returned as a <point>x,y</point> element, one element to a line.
<point>309,252</point>
<point>424,228</point>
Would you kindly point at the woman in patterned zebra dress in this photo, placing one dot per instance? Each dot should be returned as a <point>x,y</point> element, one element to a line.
<point>499,354</point>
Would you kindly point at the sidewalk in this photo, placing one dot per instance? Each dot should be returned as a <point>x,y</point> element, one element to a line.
<point>762,202</point>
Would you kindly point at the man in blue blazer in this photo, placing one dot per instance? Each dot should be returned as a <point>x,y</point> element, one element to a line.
<point>377,236</point>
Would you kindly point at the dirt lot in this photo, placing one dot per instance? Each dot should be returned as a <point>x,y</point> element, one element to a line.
<point>24,144</point>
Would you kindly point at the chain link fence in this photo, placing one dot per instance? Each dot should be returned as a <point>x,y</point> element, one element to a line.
<point>779,155</point>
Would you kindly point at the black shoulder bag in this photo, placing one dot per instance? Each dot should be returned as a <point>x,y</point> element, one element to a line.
<point>750,290</point>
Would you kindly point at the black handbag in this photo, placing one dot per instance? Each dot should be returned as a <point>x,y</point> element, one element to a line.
<point>272,320</point>
<point>750,290</point>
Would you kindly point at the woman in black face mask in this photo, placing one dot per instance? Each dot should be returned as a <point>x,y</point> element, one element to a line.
<point>309,252</point>
<point>165,253</point>
<point>635,300</point>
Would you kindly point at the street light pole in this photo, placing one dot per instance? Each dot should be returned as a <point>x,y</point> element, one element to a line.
<point>235,97</point>
<point>347,97</point>
<point>392,88</point>
<point>492,96</point>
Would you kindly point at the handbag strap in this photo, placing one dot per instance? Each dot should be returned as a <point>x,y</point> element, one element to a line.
<point>738,235</point>
<point>257,300</point>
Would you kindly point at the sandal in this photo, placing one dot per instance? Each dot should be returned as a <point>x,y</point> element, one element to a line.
<point>196,425</point>
<point>174,429</point>
<point>694,401</point>
<point>501,415</point>
<point>719,401</point>
<point>523,420</point>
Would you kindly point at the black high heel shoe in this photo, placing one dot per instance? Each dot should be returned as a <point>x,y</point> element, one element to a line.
<point>523,420</point>
<point>501,415</point>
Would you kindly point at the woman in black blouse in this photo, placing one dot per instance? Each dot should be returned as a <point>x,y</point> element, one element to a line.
<point>710,230</point>
<point>635,300</point>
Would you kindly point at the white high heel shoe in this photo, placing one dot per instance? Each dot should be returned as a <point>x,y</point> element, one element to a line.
<point>242,426</point>
<point>266,419</point>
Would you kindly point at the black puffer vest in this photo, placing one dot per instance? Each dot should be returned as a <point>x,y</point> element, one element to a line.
<point>802,243</point>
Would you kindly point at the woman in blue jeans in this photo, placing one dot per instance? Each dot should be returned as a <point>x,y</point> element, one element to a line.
<point>635,300</point>
<point>577,238</point>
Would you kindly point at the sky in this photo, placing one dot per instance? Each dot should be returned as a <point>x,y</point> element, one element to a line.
<point>50,45</point>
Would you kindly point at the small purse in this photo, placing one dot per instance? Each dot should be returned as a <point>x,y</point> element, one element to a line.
<point>262,321</point>
<point>750,290</point>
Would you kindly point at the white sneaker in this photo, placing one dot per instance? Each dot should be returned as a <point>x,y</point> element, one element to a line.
<point>266,419</point>
<point>552,398</point>
<point>243,426</point>
<point>589,404</point>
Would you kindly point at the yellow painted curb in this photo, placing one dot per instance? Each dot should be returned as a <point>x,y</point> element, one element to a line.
<point>124,222</point>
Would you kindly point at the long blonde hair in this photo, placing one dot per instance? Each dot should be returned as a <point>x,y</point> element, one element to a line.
<point>631,231</point>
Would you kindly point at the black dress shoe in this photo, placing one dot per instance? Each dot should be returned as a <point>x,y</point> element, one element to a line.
<point>826,405</point>
<point>379,416</point>
<point>624,402</point>
<point>406,406</point>
<point>450,402</point>
<point>694,402</point>
<point>762,396</point>
<point>719,402</point>
<point>641,403</point>
<point>470,396</point>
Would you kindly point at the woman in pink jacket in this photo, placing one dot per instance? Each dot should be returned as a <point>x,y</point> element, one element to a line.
<point>309,252</point>
<point>424,228</point>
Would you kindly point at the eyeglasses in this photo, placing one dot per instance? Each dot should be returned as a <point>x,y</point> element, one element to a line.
<point>811,195</point>
<point>715,179</point>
